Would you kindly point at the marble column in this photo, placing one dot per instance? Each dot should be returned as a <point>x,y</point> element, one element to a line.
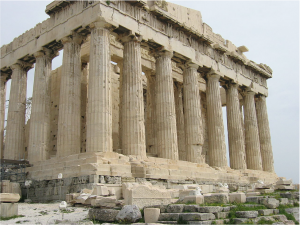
<point>39,132</point>
<point>264,134</point>
<point>84,102</point>
<point>235,128</point>
<point>165,107</point>
<point>15,131</point>
<point>192,114</point>
<point>215,126</point>
<point>68,138</point>
<point>3,80</point>
<point>151,137</point>
<point>133,126</point>
<point>253,155</point>
<point>99,111</point>
<point>180,121</point>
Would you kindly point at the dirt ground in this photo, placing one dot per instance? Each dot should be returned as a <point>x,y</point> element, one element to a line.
<point>36,213</point>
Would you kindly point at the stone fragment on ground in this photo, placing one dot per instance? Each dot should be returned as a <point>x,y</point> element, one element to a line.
<point>129,213</point>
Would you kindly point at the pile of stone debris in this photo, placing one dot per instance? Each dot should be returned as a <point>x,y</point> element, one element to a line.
<point>144,202</point>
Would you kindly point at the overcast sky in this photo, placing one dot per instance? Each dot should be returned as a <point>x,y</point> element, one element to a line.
<point>270,30</point>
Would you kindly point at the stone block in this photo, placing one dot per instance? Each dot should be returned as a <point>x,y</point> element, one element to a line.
<point>210,209</point>
<point>255,199</point>
<point>271,203</point>
<point>284,187</point>
<point>283,201</point>
<point>198,199</point>
<point>175,208</point>
<point>71,198</point>
<point>265,212</point>
<point>129,213</point>
<point>191,208</point>
<point>281,218</point>
<point>5,186</point>
<point>106,202</point>
<point>9,197</point>
<point>284,182</point>
<point>275,211</point>
<point>240,220</point>
<point>246,214</point>
<point>8,209</point>
<point>286,195</point>
<point>207,222</point>
<point>237,197</point>
<point>266,218</point>
<point>266,191</point>
<point>168,217</point>
<point>151,215</point>
<point>251,194</point>
<point>106,215</point>
<point>226,209</point>
<point>145,195</point>
<point>216,198</point>
<point>100,190</point>
<point>221,215</point>
<point>294,212</point>
<point>190,216</point>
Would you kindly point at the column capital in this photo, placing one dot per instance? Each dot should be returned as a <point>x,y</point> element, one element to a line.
<point>46,52</point>
<point>249,91</point>
<point>101,23</point>
<point>75,37</point>
<point>188,65</point>
<point>130,36</point>
<point>162,51</point>
<point>214,74</point>
<point>22,65</point>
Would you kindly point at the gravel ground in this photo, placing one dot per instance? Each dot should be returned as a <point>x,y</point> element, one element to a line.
<point>35,213</point>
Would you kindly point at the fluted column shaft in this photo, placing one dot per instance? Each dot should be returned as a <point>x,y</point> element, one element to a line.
<point>264,135</point>
<point>216,136</point>
<point>15,131</point>
<point>2,111</point>
<point>151,137</point>
<point>192,115</point>
<point>84,102</point>
<point>253,155</point>
<point>68,138</point>
<point>39,132</point>
<point>133,126</point>
<point>165,107</point>
<point>99,111</point>
<point>179,121</point>
<point>235,128</point>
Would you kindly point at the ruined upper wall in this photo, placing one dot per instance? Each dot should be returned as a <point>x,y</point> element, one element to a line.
<point>160,24</point>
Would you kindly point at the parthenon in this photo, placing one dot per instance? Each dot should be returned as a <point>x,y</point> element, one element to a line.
<point>139,95</point>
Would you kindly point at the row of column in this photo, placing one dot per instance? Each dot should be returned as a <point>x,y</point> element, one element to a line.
<point>252,150</point>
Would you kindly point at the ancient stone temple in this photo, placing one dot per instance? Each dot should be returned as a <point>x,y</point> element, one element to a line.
<point>139,95</point>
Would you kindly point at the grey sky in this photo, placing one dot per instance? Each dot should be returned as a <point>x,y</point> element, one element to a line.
<point>270,29</point>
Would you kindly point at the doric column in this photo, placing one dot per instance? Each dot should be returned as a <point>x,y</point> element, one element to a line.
<point>99,112</point>
<point>165,107</point>
<point>15,131</point>
<point>151,137</point>
<point>133,127</point>
<point>235,128</point>
<point>192,114</point>
<point>253,156</point>
<point>68,138</point>
<point>215,126</point>
<point>264,134</point>
<point>3,79</point>
<point>39,132</point>
<point>84,101</point>
<point>180,121</point>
